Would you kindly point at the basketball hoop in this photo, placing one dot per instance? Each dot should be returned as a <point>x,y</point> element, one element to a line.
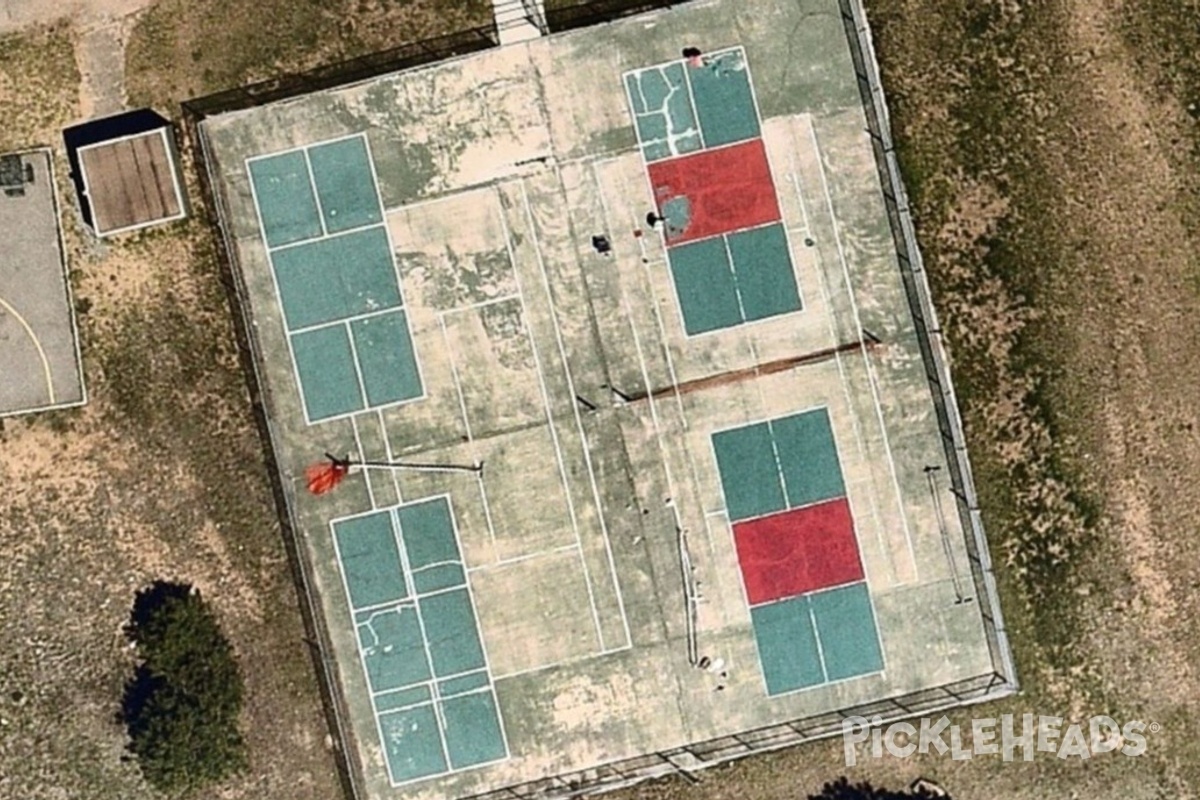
<point>324,476</point>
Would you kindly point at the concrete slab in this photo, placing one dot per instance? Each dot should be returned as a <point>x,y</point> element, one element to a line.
<point>39,347</point>
<point>597,539</point>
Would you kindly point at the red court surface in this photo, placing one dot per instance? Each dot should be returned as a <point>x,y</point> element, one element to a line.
<point>714,191</point>
<point>798,551</point>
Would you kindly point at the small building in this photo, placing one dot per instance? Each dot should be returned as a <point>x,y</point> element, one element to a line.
<point>126,172</point>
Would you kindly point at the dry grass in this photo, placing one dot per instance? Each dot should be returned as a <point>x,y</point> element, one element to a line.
<point>162,475</point>
<point>1052,150</point>
<point>183,48</point>
<point>38,77</point>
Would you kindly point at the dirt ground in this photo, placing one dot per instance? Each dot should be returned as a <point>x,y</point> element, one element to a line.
<point>161,476</point>
<point>1051,150</point>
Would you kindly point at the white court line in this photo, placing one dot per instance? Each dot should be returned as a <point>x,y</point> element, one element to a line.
<point>432,201</point>
<point>355,318</point>
<point>413,600</point>
<point>507,298</point>
<point>768,419</point>
<point>362,456</point>
<point>737,293</point>
<point>312,182</point>
<point>562,468</point>
<point>37,344</point>
<point>762,399</point>
<point>362,384</point>
<point>566,662</point>
<point>669,141</point>
<point>866,359</point>
<point>587,455</point>
<point>399,689</point>
<point>406,576</point>
<point>666,350</point>
<point>325,237</point>
<point>662,330</point>
<point>749,82</point>
<point>436,564</point>
<point>795,181</point>
<point>387,230</point>
<point>646,374</point>
<point>487,509</point>
<point>855,425</point>
<point>687,81</point>
<point>747,229</point>
<point>504,562</point>
<point>475,453</point>
<point>476,671</point>
<point>387,446</point>
<point>812,619</point>
<point>294,148</point>
<point>381,608</point>
<point>262,235</point>
<point>658,430</point>
<point>362,655</point>
<point>487,663</point>
<point>444,590</point>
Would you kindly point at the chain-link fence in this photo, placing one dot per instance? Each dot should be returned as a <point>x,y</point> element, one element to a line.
<point>565,17</point>
<point>343,73</point>
<point>929,333</point>
<point>683,760</point>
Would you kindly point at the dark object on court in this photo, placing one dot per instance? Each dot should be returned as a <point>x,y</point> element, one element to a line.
<point>602,245</point>
<point>809,241</point>
<point>324,476</point>
<point>14,174</point>
<point>691,52</point>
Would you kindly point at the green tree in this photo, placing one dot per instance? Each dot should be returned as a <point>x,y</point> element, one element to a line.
<point>842,789</point>
<point>182,704</point>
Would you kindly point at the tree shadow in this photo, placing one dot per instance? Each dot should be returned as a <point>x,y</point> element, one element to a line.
<point>143,685</point>
<point>842,789</point>
<point>150,600</point>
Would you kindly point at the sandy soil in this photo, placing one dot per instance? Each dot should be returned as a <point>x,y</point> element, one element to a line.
<point>1065,267</point>
<point>18,14</point>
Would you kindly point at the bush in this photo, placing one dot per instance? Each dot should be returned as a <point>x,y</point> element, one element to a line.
<point>182,704</point>
<point>842,789</point>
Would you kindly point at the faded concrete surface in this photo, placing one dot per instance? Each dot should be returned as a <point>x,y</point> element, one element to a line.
<point>39,359</point>
<point>496,170</point>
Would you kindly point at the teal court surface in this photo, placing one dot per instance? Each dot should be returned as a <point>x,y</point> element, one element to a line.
<point>419,639</point>
<point>319,208</point>
<point>663,503</point>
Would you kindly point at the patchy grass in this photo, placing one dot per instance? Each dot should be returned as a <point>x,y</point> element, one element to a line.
<point>1071,354</point>
<point>161,476</point>
<point>985,221</point>
<point>38,85</point>
<point>1164,40</point>
<point>183,48</point>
